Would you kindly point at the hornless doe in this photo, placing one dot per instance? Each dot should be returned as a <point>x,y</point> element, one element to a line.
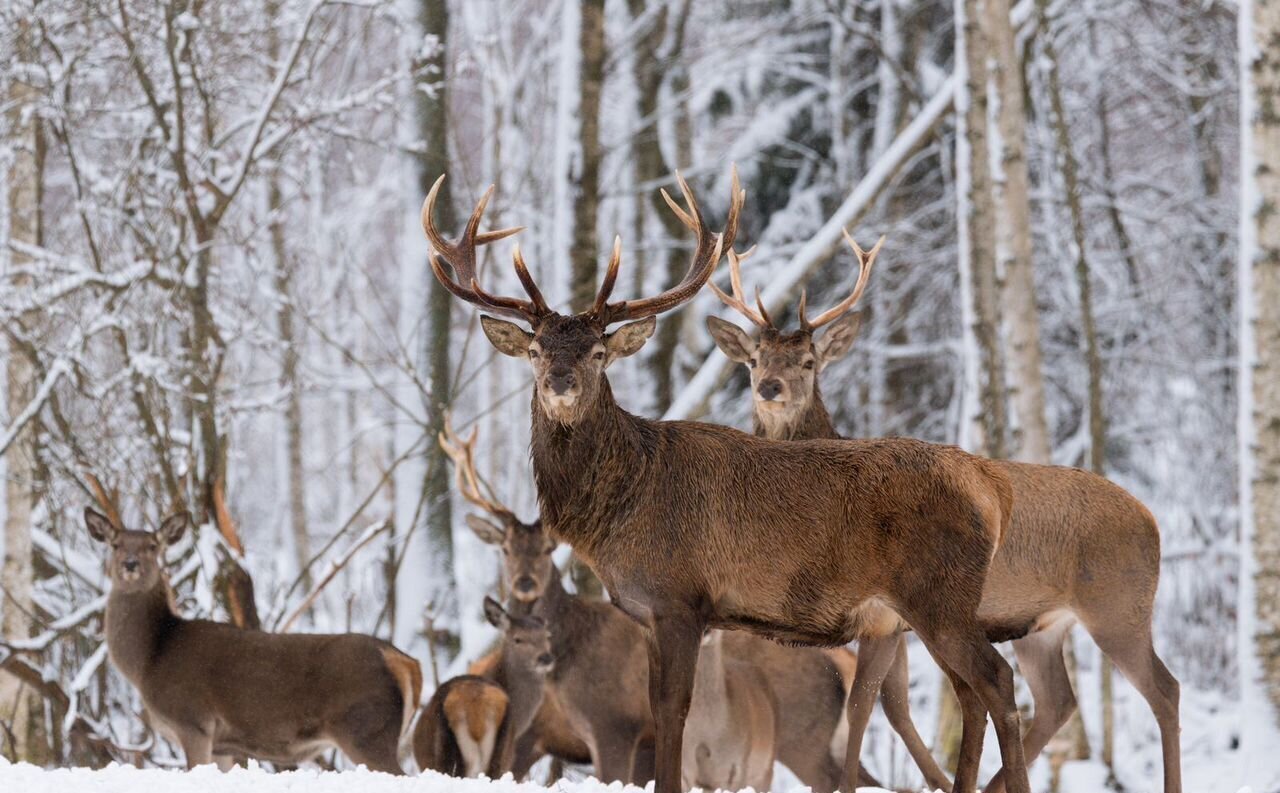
<point>691,525</point>
<point>1078,546</point>
<point>218,690</point>
<point>470,725</point>
<point>806,683</point>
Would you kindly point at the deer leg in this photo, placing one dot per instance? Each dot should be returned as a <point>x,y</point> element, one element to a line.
<point>197,746</point>
<point>895,700</point>
<point>225,762</point>
<point>1041,663</point>
<point>528,751</point>
<point>1134,655</point>
<point>642,766</point>
<point>614,753</point>
<point>376,750</point>
<point>967,656</point>
<point>972,731</point>
<point>875,656</point>
<point>673,658</point>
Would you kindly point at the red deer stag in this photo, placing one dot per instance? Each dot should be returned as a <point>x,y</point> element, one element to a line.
<point>217,690</point>
<point>469,726</point>
<point>691,525</point>
<point>806,683</point>
<point>1078,546</point>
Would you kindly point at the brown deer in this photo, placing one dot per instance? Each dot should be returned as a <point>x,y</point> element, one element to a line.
<point>691,525</point>
<point>806,683</point>
<point>730,739</point>
<point>217,690</point>
<point>469,726</point>
<point>1078,546</point>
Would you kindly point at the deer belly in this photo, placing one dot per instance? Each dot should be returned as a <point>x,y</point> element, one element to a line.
<point>291,746</point>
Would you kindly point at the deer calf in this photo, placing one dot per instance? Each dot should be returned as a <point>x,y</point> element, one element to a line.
<point>730,739</point>
<point>218,690</point>
<point>470,725</point>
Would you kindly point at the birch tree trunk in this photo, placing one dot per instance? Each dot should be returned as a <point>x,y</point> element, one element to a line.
<point>1260,389</point>
<point>20,709</point>
<point>1013,229</point>
<point>986,430</point>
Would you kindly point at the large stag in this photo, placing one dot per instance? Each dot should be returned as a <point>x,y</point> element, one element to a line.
<point>692,525</point>
<point>1078,546</point>
<point>219,691</point>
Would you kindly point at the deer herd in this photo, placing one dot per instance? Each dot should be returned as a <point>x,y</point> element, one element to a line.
<point>738,566</point>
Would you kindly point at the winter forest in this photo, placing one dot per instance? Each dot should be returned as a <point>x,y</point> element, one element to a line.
<point>217,298</point>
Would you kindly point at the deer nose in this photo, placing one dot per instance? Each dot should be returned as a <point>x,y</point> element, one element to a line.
<point>130,565</point>
<point>561,380</point>
<point>525,584</point>
<point>545,660</point>
<point>769,389</point>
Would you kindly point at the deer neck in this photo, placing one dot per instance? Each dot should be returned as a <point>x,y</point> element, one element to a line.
<point>815,422</point>
<point>584,471</point>
<point>570,619</point>
<point>525,688</point>
<point>137,624</point>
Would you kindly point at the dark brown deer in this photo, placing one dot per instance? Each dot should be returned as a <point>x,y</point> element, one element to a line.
<point>217,690</point>
<point>469,726</point>
<point>691,525</point>
<point>1078,546</point>
<point>806,683</point>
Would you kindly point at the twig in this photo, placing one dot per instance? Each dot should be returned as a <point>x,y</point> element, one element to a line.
<point>334,568</point>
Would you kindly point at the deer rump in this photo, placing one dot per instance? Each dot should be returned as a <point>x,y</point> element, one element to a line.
<point>878,523</point>
<point>465,729</point>
<point>283,698</point>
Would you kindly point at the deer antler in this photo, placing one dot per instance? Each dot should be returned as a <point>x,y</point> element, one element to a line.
<point>865,260</point>
<point>706,255</point>
<point>461,258</point>
<point>738,302</point>
<point>462,452</point>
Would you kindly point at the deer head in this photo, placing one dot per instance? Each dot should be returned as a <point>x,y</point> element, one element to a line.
<point>527,639</point>
<point>569,353</point>
<point>526,548</point>
<point>784,365</point>
<point>137,557</point>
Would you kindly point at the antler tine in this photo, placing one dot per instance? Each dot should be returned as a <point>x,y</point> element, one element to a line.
<point>865,261</point>
<point>461,258</point>
<point>706,255</point>
<point>462,452</point>
<point>610,278</point>
<point>738,302</point>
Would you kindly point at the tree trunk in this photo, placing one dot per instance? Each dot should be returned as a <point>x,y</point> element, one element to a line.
<point>425,574</point>
<point>1013,229</point>
<point>987,429</point>
<point>586,200</point>
<point>20,708</point>
<point>1260,387</point>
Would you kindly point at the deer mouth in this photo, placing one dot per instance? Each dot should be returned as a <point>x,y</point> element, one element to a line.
<point>775,404</point>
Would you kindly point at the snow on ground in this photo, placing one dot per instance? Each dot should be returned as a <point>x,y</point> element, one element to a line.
<point>23,778</point>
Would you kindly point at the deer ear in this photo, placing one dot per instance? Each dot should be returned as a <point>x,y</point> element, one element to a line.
<point>508,337</point>
<point>495,614</point>
<point>628,339</point>
<point>732,340</point>
<point>486,530</point>
<point>100,526</point>
<point>838,339</point>
<point>173,527</point>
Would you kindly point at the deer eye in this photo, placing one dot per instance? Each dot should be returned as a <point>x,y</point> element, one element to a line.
<point>598,355</point>
<point>752,363</point>
<point>808,364</point>
<point>533,353</point>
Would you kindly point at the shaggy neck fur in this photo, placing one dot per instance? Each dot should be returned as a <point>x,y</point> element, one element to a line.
<point>815,422</point>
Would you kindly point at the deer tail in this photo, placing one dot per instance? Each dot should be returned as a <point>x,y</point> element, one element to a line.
<point>407,673</point>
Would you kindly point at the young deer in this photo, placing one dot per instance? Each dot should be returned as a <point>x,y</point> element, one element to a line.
<point>218,690</point>
<point>691,525</point>
<point>470,725</point>
<point>1078,546</point>
<point>730,739</point>
<point>806,683</point>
